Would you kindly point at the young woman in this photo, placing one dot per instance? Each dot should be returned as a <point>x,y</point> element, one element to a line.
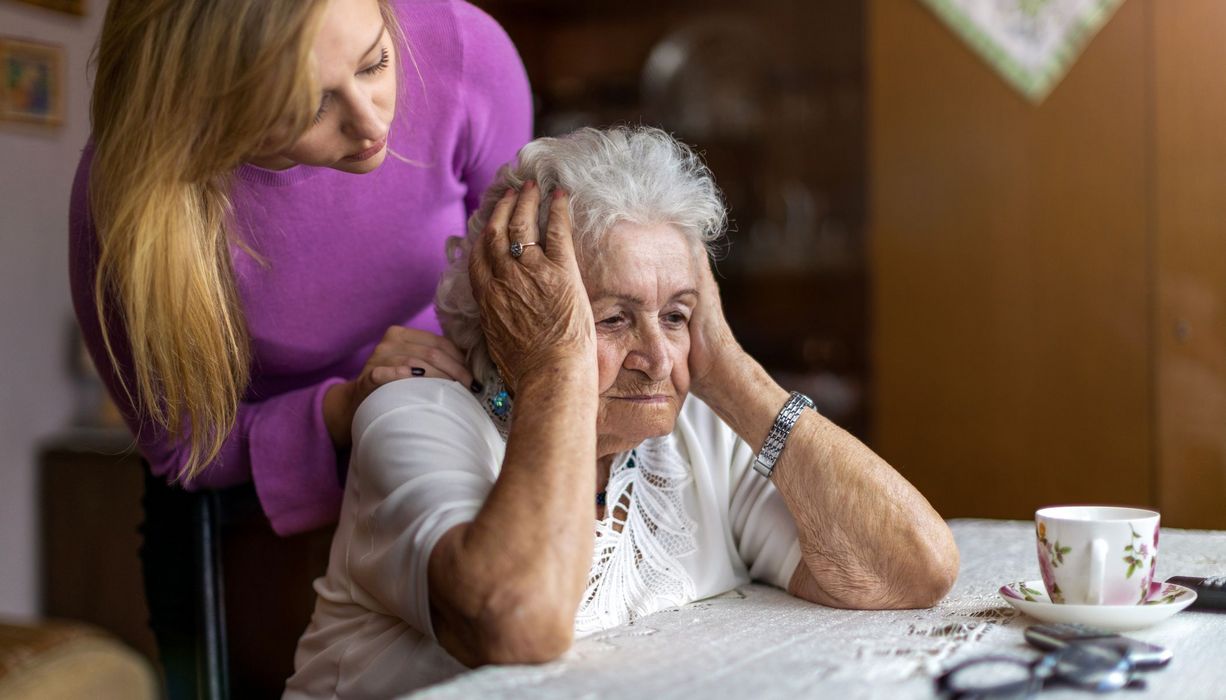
<point>258,223</point>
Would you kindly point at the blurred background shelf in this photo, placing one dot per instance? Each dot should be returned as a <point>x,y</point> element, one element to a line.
<point>772,94</point>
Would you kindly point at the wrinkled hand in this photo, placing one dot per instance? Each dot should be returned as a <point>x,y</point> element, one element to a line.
<point>534,309</point>
<point>403,353</point>
<point>713,349</point>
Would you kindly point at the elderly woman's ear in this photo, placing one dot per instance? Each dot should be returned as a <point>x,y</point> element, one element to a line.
<point>534,310</point>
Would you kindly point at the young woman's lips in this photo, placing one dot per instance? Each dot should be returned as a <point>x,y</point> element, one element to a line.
<point>368,153</point>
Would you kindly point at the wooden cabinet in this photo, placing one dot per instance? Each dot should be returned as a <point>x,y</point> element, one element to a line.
<point>90,496</point>
<point>91,491</point>
<point>1047,281</point>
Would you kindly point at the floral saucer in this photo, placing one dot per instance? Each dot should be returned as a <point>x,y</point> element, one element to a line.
<point>1165,599</point>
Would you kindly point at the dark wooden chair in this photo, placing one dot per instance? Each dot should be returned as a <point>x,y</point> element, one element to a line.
<point>185,589</point>
<point>227,597</point>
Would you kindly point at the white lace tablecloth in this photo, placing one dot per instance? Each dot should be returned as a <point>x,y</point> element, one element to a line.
<point>759,642</point>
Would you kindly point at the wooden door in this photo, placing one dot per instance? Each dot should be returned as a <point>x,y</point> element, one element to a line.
<point>1190,333</point>
<point>1010,255</point>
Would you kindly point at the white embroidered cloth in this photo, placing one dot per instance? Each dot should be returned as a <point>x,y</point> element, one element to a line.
<point>635,561</point>
<point>758,642</point>
<point>1030,43</point>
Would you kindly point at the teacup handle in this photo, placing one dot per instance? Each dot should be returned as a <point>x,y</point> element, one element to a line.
<point>1098,569</point>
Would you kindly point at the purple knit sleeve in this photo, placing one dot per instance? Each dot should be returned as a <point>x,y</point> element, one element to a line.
<point>497,99</point>
<point>281,443</point>
<point>292,460</point>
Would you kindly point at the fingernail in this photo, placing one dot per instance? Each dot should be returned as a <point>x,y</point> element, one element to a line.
<point>476,387</point>
<point>558,193</point>
<point>417,371</point>
<point>529,185</point>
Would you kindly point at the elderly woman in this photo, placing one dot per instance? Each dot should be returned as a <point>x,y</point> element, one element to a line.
<point>626,456</point>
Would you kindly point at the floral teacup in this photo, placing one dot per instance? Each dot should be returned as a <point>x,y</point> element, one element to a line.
<point>1097,555</point>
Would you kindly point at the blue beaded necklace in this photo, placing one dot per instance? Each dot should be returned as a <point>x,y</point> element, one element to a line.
<point>498,404</point>
<point>602,496</point>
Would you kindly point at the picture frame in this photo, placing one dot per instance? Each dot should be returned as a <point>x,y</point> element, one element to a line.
<point>31,82</point>
<point>72,7</point>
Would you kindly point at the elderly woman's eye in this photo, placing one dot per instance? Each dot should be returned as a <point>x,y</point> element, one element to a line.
<point>612,321</point>
<point>676,319</point>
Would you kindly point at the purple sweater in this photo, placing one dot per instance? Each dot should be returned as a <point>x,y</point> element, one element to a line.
<point>347,257</point>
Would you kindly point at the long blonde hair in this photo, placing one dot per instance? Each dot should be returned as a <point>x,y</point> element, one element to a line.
<point>186,91</point>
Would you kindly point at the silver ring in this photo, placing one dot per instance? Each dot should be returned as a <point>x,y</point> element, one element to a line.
<point>517,248</point>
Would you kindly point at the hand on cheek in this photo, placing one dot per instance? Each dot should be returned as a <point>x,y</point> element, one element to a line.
<point>711,341</point>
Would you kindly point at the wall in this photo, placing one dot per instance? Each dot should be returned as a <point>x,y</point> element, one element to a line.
<point>36,170</point>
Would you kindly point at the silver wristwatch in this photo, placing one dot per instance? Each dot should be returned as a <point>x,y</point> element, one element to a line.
<point>764,463</point>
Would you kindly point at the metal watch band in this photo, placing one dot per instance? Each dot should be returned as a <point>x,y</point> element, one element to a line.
<point>764,463</point>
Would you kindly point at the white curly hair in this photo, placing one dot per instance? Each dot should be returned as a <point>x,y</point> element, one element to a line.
<point>638,175</point>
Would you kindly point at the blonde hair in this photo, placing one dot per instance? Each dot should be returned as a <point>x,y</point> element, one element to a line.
<point>186,91</point>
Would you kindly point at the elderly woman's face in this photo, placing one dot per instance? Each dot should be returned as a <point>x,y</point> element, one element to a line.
<point>643,291</point>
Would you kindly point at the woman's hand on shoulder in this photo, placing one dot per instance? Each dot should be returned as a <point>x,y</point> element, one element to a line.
<point>401,354</point>
<point>534,309</point>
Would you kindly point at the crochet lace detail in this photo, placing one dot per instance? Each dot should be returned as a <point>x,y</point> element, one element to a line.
<point>635,569</point>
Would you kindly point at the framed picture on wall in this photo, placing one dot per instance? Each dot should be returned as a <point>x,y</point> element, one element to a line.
<point>75,7</point>
<point>31,82</point>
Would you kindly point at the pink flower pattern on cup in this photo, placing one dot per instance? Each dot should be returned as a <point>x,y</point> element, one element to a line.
<point>1051,556</point>
<point>1141,555</point>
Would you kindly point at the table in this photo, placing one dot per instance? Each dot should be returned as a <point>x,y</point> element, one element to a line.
<point>759,642</point>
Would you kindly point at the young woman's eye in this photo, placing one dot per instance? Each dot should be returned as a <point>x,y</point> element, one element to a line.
<point>384,61</point>
<point>323,107</point>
